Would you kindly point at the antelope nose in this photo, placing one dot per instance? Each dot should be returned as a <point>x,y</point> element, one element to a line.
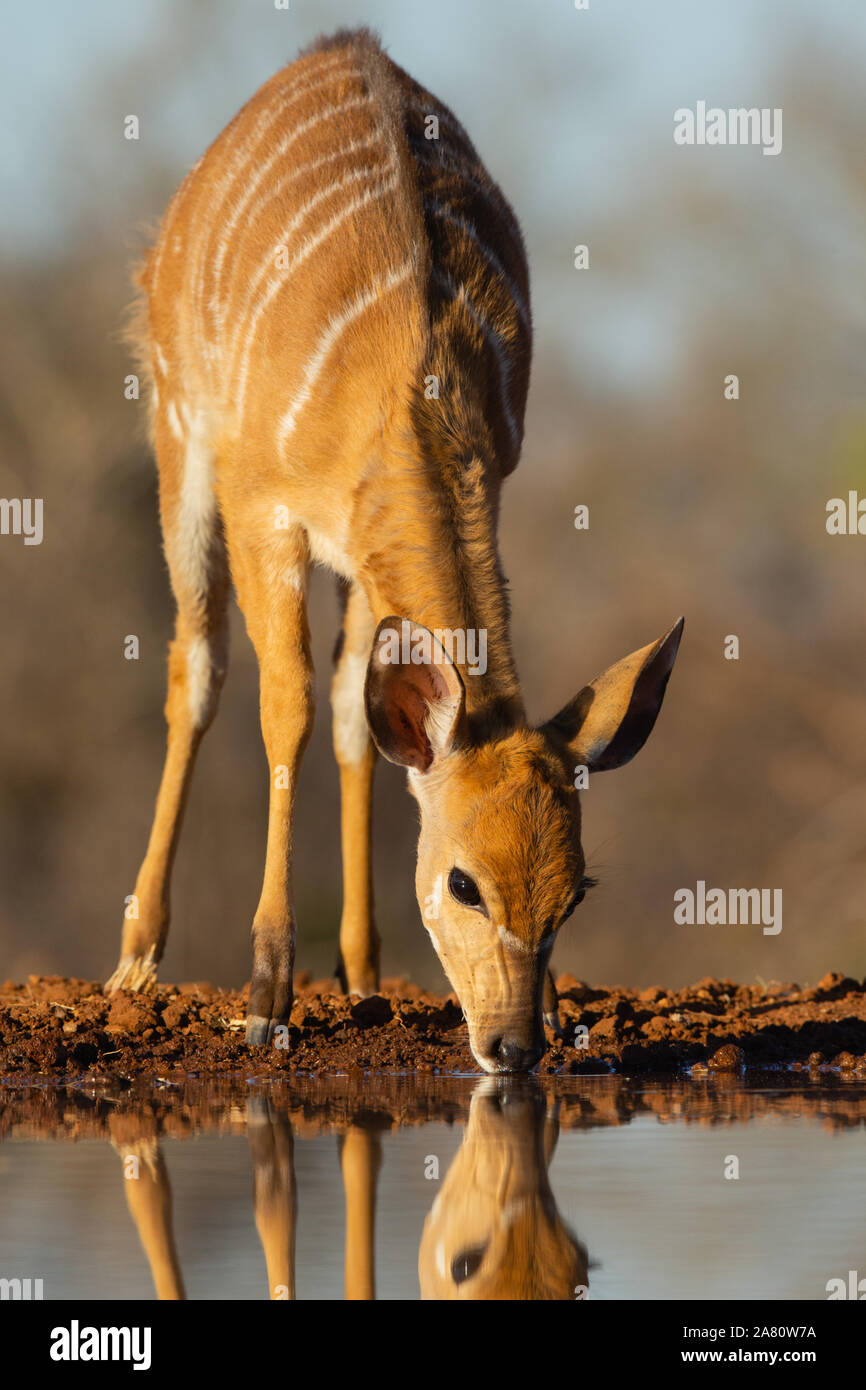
<point>512,1056</point>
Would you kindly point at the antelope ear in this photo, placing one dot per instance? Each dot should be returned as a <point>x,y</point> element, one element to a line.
<point>611,719</point>
<point>413,695</point>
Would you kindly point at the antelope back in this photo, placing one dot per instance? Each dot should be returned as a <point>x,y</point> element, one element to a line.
<point>336,248</point>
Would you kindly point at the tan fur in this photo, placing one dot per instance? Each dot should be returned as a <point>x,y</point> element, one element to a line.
<point>275,1194</point>
<point>148,1197</point>
<point>504,813</point>
<point>318,269</point>
<point>360,1161</point>
<point>494,1232</point>
<point>495,1202</point>
<point>275,1203</point>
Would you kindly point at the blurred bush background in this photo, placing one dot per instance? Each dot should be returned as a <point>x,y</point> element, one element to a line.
<point>703,262</point>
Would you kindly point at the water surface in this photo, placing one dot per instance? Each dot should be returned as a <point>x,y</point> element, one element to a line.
<point>606,1187</point>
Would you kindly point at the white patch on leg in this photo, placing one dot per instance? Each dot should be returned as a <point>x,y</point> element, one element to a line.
<point>197,515</point>
<point>199,678</point>
<point>173,421</point>
<point>351,736</point>
<point>190,544</point>
<point>332,550</point>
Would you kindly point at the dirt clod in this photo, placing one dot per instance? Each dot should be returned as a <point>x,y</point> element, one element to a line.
<point>59,1027</point>
<point>727,1058</point>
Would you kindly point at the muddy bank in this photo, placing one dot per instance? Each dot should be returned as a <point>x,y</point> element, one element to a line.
<point>144,1110</point>
<point>51,1026</point>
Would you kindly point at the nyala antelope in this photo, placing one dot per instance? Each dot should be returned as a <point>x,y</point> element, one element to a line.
<point>335,317</point>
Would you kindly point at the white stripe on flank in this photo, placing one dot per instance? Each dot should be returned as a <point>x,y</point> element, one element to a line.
<point>447,211</point>
<point>160,359</point>
<point>261,173</point>
<point>162,239</point>
<point>242,141</point>
<point>494,342</point>
<point>321,63</point>
<point>274,286</point>
<point>355,176</point>
<point>238,148</point>
<point>337,325</point>
<point>289,88</point>
<point>278,189</point>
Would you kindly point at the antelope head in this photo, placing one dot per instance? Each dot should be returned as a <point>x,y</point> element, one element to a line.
<point>500,863</point>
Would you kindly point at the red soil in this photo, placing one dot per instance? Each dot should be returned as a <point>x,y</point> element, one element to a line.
<point>61,1027</point>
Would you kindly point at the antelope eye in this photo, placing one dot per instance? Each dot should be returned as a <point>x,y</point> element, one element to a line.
<point>463,889</point>
<point>467,1263</point>
<point>575,902</point>
<point>585,883</point>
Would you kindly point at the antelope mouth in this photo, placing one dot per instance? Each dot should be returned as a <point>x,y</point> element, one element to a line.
<point>504,1056</point>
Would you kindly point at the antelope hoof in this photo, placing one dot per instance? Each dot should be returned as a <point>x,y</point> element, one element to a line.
<point>136,973</point>
<point>260,1031</point>
<point>270,998</point>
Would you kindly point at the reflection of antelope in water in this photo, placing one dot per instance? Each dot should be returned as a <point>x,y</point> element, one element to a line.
<point>494,1231</point>
<point>148,1196</point>
<point>275,1202</point>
